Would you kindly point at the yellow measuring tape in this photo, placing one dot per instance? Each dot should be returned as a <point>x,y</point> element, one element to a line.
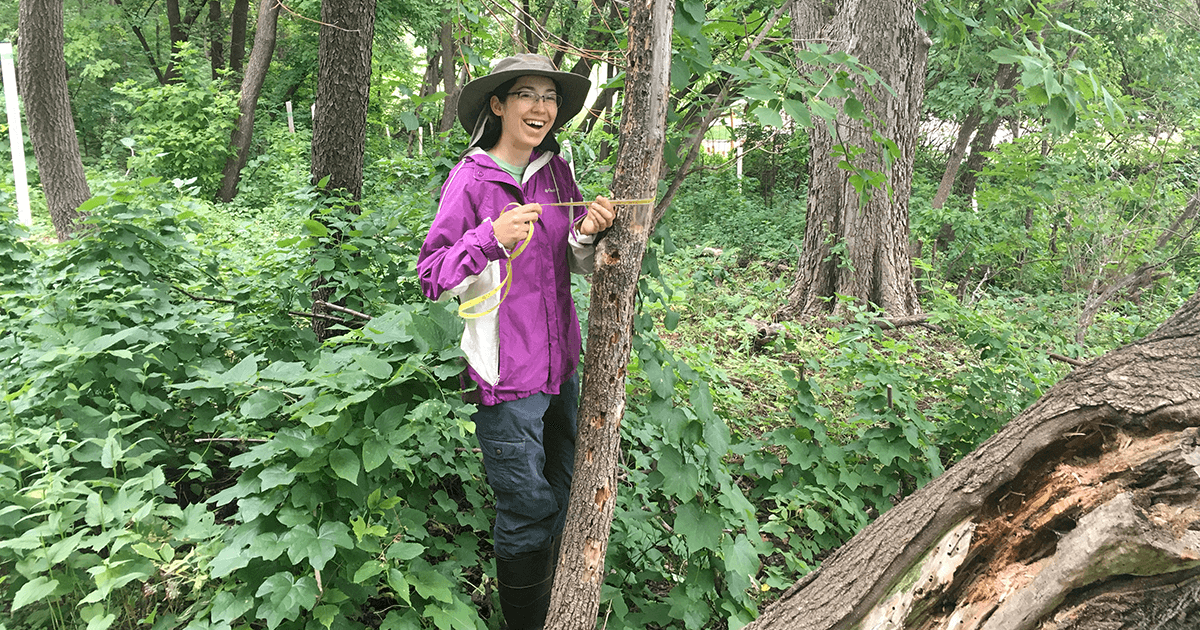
<point>506,284</point>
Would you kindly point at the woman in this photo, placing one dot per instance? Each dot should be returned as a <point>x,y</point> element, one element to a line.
<point>508,258</point>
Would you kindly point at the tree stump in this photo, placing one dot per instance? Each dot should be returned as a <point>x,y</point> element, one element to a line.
<point>1082,513</point>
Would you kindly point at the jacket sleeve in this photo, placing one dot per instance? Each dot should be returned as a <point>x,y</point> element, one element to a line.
<point>583,247</point>
<point>459,245</point>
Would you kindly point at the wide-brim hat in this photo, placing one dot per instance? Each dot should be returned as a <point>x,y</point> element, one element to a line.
<point>573,88</point>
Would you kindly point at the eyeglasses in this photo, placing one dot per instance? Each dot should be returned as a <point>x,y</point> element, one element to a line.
<point>531,98</point>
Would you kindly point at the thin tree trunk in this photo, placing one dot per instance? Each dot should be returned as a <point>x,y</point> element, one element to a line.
<point>1082,509</point>
<point>237,34</point>
<point>216,38</point>
<point>1006,77</point>
<point>576,598</point>
<point>449,75</point>
<point>853,246</point>
<point>252,82</point>
<point>42,71</point>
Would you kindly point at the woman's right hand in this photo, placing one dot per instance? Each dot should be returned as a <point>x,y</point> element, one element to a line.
<point>514,225</point>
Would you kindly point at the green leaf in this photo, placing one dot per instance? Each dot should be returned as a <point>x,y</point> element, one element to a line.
<point>227,606</point>
<point>368,570</point>
<point>33,590</point>
<point>316,228</point>
<point>853,108</point>
<point>318,547</point>
<point>681,479</point>
<point>741,562</point>
<point>798,112</point>
<point>374,453</point>
<point>345,463</point>
<point>456,615</point>
<point>431,584</point>
<point>285,597</point>
<point>276,475</point>
<point>699,529</point>
<point>405,551</point>
<point>768,117</point>
<point>374,366</point>
<point>261,404</point>
<point>242,373</point>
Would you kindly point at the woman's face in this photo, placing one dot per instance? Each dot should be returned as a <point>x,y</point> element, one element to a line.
<point>526,121</point>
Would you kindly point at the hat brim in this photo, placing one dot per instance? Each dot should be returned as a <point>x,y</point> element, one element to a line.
<point>475,95</point>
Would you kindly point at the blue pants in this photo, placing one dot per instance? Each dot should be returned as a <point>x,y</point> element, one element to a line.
<point>529,454</point>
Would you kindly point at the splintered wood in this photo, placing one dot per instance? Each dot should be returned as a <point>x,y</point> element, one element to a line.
<point>1109,508</point>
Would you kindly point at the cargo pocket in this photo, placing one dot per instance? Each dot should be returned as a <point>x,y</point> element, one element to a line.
<point>510,473</point>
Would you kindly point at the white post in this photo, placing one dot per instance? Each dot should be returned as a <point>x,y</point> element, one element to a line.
<point>15,139</point>
<point>291,124</point>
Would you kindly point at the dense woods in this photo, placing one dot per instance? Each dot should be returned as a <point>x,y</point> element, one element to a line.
<point>906,338</point>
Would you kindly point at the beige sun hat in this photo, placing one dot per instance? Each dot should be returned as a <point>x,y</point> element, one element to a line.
<point>473,100</point>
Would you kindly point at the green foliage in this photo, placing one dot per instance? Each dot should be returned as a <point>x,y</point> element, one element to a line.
<point>181,129</point>
<point>712,210</point>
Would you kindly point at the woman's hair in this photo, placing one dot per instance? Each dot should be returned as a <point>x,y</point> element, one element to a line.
<point>492,127</point>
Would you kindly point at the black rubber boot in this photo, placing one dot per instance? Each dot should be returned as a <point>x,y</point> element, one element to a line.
<point>525,584</point>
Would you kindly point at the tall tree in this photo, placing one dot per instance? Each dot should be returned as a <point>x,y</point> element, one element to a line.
<point>449,50</point>
<point>339,138</point>
<point>576,597</point>
<point>252,82</point>
<point>1080,513</point>
<point>216,38</point>
<point>42,71</point>
<point>237,34</point>
<point>856,236</point>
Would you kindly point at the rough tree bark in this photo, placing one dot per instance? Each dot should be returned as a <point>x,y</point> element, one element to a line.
<point>576,598</point>
<point>237,34</point>
<point>1083,513</point>
<point>854,247</point>
<point>42,78</point>
<point>252,83</point>
<point>340,125</point>
<point>449,49</point>
<point>216,38</point>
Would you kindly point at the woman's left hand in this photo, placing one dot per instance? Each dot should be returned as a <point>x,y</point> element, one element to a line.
<point>599,217</point>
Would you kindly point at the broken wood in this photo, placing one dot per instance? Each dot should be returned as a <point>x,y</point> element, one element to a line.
<point>1082,513</point>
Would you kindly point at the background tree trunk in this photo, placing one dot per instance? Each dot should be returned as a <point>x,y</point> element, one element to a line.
<point>252,82</point>
<point>42,75</point>
<point>1006,78</point>
<point>237,34</point>
<point>1085,507</point>
<point>216,38</point>
<point>449,77</point>
<point>340,125</point>
<point>576,598</point>
<point>854,247</point>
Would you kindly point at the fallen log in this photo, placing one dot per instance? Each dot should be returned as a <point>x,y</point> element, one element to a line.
<point>1082,513</point>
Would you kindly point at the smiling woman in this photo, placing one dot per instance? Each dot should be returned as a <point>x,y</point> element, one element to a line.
<point>511,227</point>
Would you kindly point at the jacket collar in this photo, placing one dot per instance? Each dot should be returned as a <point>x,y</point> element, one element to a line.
<point>481,157</point>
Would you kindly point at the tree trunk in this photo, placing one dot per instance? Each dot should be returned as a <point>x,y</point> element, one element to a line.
<point>1006,78</point>
<point>856,246</point>
<point>216,38</point>
<point>252,82</point>
<point>237,34</point>
<point>576,598</point>
<point>449,76</point>
<point>1082,513</point>
<point>340,126</point>
<point>42,71</point>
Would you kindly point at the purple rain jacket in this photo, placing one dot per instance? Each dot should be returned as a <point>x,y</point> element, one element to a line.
<point>531,344</point>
